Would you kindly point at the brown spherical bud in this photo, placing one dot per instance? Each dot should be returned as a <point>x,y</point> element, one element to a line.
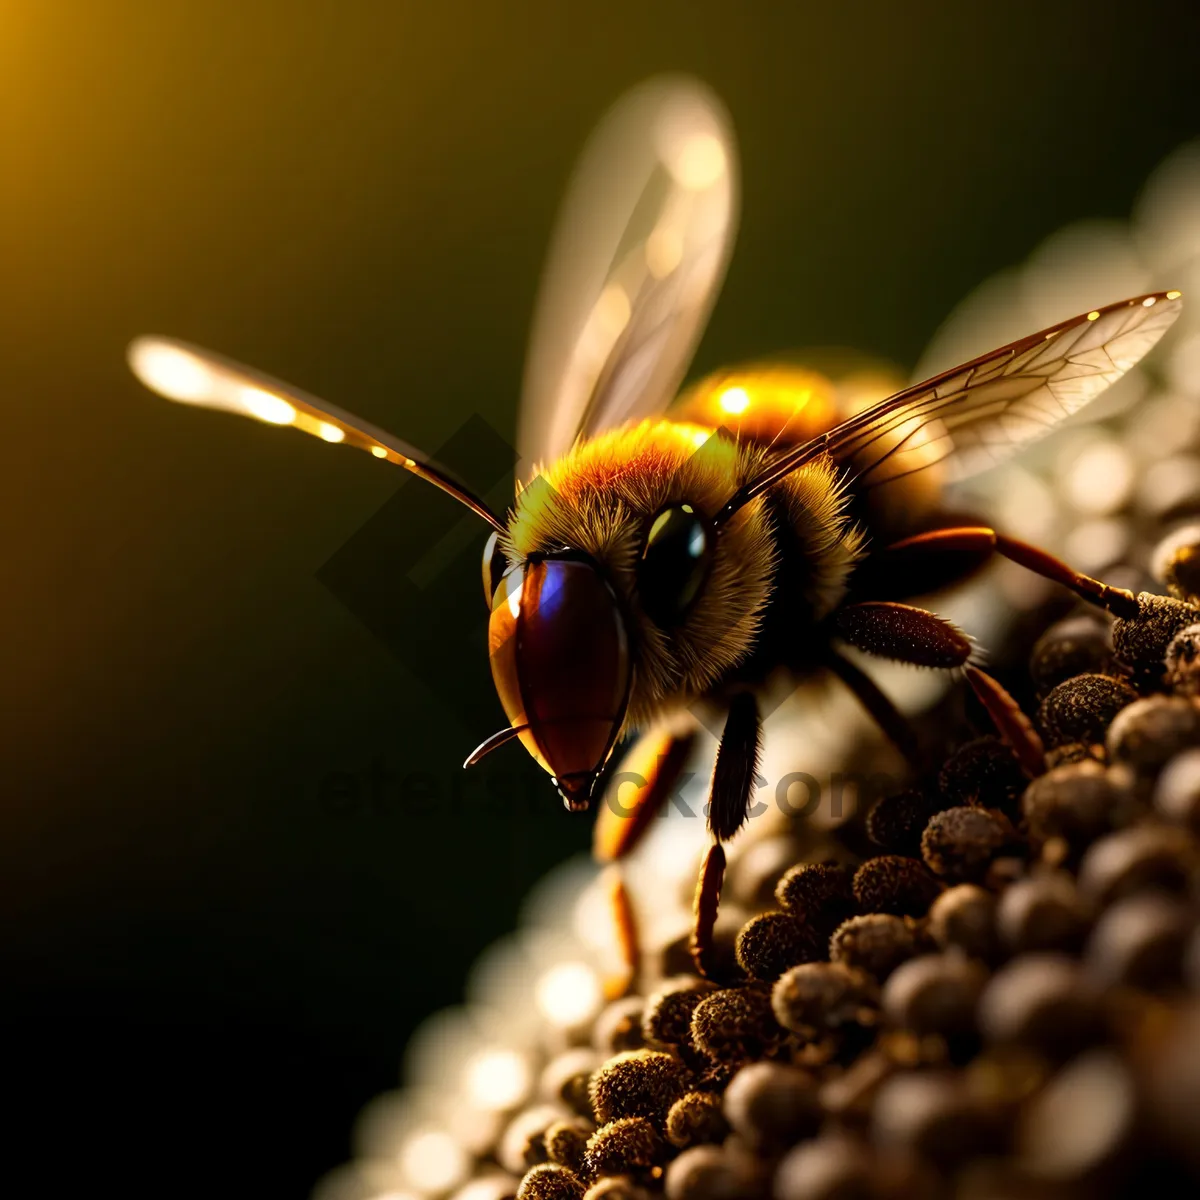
<point>876,943</point>
<point>566,1141</point>
<point>696,1119</point>
<point>1041,1001</point>
<point>1141,857</point>
<point>1141,641</point>
<point>667,1013</point>
<point>619,1026</point>
<point>1077,803</point>
<point>1140,942</point>
<point>934,994</point>
<point>831,1167</point>
<point>736,1024</point>
<point>638,1083</point>
<point>1074,646</point>
<point>523,1142</point>
<point>566,1077</point>
<point>1074,752</point>
<point>1181,663</point>
<point>550,1182</point>
<point>815,999</point>
<point>820,894</point>
<point>616,1187</point>
<point>984,772</point>
<point>1150,732</point>
<point>964,918</point>
<point>928,1113</point>
<point>757,868</point>
<point>771,942</point>
<point>1177,792</point>
<point>960,843</point>
<point>1175,562</point>
<point>627,1145</point>
<point>1080,709</point>
<point>893,884</point>
<point>1043,912</point>
<point>1079,1122</point>
<point>895,823</point>
<point>772,1106</point>
<point>712,1173</point>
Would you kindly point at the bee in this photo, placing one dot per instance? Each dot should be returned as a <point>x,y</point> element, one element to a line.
<point>661,559</point>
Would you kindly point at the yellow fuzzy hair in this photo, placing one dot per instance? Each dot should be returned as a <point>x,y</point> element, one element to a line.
<point>599,498</point>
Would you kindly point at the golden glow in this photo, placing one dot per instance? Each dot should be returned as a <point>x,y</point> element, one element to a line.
<point>170,371</point>
<point>330,433</point>
<point>433,1161</point>
<point>700,437</point>
<point>699,162</point>
<point>734,400</point>
<point>1174,295</point>
<point>1149,301</point>
<point>497,1079</point>
<point>569,994</point>
<point>266,407</point>
<point>664,251</point>
<point>379,452</point>
<point>1093,315</point>
<point>612,310</point>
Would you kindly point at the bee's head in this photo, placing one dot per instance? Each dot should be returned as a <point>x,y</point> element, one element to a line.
<point>612,596</point>
<point>560,652</point>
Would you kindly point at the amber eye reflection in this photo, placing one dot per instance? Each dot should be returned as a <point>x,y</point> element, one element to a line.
<point>494,566</point>
<point>674,564</point>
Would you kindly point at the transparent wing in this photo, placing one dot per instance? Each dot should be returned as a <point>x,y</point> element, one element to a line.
<point>191,375</point>
<point>635,264</point>
<point>976,415</point>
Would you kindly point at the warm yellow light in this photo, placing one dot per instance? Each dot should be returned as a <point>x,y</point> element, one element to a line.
<point>700,438</point>
<point>1149,301</point>
<point>379,452</point>
<point>498,1079</point>
<point>330,433</point>
<point>569,994</point>
<point>433,1161</point>
<point>266,407</point>
<point>612,310</point>
<point>700,162</point>
<point>664,251</point>
<point>1174,295</point>
<point>1093,315</point>
<point>734,400</point>
<point>170,371</point>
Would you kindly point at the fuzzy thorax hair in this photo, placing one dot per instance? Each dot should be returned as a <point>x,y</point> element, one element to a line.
<point>601,498</point>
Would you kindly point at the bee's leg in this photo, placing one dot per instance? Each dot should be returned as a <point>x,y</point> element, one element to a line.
<point>978,542</point>
<point>728,807</point>
<point>638,790</point>
<point>654,768</point>
<point>908,634</point>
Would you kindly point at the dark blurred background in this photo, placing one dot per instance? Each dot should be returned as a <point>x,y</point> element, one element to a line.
<point>234,872</point>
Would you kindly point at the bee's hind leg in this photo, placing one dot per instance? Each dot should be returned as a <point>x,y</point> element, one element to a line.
<point>907,634</point>
<point>978,543</point>
<point>728,807</point>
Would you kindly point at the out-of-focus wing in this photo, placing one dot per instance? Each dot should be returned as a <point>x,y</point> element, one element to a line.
<point>191,375</point>
<point>976,415</point>
<point>635,264</point>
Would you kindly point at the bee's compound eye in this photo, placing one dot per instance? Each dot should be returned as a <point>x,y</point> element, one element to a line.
<point>674,563</point>
<point>494,566</point>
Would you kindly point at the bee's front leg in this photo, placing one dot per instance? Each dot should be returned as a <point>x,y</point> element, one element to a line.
<point>728,806</point>
<point>655,769</point>
<point>907,634</point>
